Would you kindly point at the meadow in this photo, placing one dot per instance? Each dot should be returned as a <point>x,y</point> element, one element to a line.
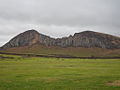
<point>33,73</point>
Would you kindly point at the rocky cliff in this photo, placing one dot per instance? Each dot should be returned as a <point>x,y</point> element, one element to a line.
<point>87,39</point>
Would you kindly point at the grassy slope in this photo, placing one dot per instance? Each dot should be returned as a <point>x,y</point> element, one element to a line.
<point>58,74</point>
<point>81,52</point>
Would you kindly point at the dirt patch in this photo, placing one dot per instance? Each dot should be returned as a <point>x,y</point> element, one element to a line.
<point>114,83</point>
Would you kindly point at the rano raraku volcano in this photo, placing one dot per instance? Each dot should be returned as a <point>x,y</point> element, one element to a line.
<point>86,39</point>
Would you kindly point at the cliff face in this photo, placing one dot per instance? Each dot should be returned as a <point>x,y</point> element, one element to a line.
<point>93,39</point>
<point>23,39</point>
<point>87,39</point>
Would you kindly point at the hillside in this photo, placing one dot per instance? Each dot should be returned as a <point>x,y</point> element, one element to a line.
<point>84,44</point>
<point>69,51</point>
<point>86,39</point>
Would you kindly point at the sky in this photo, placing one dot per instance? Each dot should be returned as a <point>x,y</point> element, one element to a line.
<point>58,18</point>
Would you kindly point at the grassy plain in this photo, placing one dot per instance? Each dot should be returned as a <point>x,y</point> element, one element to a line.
<point>23,73</point>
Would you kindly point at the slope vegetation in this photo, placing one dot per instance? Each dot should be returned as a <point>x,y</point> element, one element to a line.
<point>69,51</point>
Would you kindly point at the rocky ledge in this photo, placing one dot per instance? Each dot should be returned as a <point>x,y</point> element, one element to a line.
<point>87,39</point>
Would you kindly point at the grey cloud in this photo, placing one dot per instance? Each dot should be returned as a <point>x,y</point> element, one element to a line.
<point>69,12</point>
<point>59,18</point>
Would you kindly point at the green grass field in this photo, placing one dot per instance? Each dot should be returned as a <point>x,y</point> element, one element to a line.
<point>22,73</point>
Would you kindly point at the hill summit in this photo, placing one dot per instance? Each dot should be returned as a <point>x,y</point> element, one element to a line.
<point>86,39</point>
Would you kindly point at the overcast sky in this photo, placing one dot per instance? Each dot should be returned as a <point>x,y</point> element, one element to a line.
<point>58,18</point>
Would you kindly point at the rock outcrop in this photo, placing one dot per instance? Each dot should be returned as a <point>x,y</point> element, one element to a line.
<point>87,39</point>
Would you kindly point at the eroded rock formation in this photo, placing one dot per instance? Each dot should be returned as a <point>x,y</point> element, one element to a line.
<point>87,39</point>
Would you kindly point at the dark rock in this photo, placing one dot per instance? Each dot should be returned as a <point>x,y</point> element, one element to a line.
<point>87,39</point>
